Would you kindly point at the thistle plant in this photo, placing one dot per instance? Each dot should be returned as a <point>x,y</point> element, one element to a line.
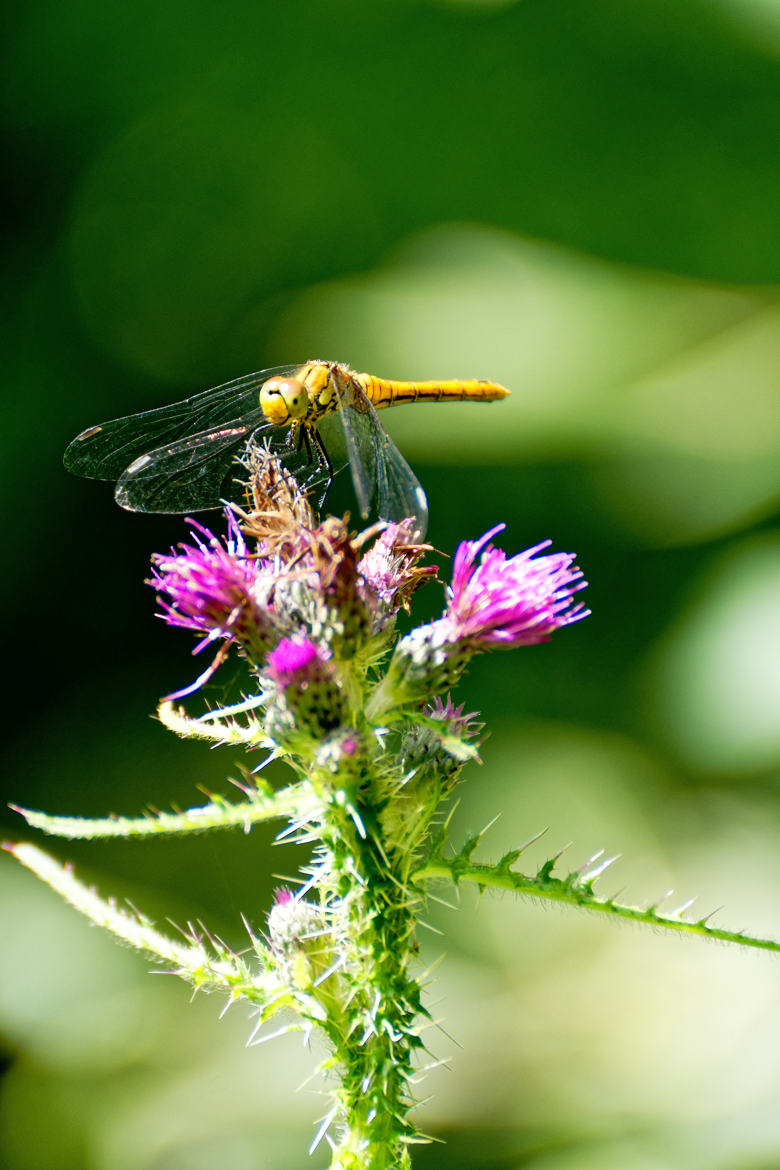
<point>375,744</point>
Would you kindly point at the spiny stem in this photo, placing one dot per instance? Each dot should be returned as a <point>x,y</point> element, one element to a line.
<point>380,1033</point>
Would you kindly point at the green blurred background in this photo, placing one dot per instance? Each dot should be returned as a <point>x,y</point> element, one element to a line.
<point>578,199</point>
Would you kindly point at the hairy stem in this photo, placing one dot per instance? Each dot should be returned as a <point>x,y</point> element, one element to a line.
<point>379,1028</point>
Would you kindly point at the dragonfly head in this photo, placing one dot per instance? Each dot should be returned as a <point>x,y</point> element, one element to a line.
<point>283,400</point>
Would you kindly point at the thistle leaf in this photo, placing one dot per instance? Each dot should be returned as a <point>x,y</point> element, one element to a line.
<point>265,805</point>
<point>211,967</point>
<point>575,889</point>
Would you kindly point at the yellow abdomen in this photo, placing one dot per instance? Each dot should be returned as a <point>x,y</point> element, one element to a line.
<point>385,392</point>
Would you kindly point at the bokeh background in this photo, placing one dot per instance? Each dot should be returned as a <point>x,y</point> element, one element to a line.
<point>578,199</point>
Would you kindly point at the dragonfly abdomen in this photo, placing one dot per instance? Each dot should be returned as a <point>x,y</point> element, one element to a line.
<point>385,392</point>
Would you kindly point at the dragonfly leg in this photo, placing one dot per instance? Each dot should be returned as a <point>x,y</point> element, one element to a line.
<point>313,467</point>
<point>324,466</point>
<point>305,435</point>
<point>303,441</point>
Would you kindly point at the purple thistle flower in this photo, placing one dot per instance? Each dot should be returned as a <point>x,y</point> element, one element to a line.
<point>308,701</point>
<point>389,570</point>
<point>350,745</point>
<point>496,601</point>
<point>283,894</point>
<point>435,748</point>
<point>465,726</point>
<point>294,661</point>
<point>294,932</point>
<point>215,589</point>
<point>510,601</point>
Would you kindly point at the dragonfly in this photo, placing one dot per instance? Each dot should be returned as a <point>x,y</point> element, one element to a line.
<point>185,457</point>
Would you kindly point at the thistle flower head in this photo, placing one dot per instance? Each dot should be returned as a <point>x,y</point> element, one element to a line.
<point>457,724</point>
<point>511,601</point>
<point>305,698</point>
<point>294,662</point>
<point>299,939</point>
<point>390,571</point>
<point>216,589</point>
<point>277,509</point>
<point>496,601</point>
<point>313,584</point>
<point>435,749</point>
<point>291,922</point>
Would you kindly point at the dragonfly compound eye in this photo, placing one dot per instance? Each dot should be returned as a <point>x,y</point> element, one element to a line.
<point>283,400</point>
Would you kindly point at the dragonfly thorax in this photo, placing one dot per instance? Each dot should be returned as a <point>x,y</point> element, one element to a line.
<point>284,400</point>
<point>306,395</point>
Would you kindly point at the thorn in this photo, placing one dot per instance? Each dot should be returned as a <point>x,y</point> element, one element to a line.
<point>591,859</point>
<point>532,840</point>
<point>309,885</point>
<point>652,909</point>
<point>248,929</point>
<point>379,846</point>
<point>245,788</point>
<point>489,825</point>
<point>141,918</point>
<point>441,902</point>
<point>426,1068</point>
<point>187,934</point>
<point>286,832</point>
<point>331,970</point>
<point>600,869</point>
<point>253,1043</point>
<point>422,1101</point>
<point>292,878</point>
<point>269,759</point>
<point>254,1032</point>
<point>226,1008</point>
<point>428,971</point>
<point>307,1081</point>
<point>439,1027</point>
<point>358,822</point>
<point>679,910</point>
<point>451,813</point>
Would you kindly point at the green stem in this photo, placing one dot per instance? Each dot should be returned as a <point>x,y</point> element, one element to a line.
<point>379,1028</point>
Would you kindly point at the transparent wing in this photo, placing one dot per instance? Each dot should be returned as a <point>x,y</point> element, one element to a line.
<point>383,480</point>
<point>203,471</point>
<point>188,476</point>
<point>104,451</point>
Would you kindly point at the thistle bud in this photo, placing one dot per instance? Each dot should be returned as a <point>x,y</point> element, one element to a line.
<point>305,696</point>
<point>299,939</point>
